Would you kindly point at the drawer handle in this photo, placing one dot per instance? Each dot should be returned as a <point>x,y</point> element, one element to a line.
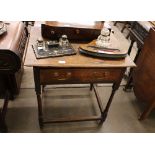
<point>77,31</point>
<point>62,79</point>
<point>56,74</point>
<point>100,76</point>
<point>52,32</point>
<point>68,75</point>
<point>106,74</point>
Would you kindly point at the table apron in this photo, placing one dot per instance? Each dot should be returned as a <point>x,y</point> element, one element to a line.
<point>84,75</point>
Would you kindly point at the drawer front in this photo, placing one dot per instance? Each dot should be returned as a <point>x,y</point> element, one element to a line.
<point>51,76</point>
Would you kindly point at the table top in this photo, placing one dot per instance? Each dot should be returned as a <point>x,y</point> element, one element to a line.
<point>73,61</point>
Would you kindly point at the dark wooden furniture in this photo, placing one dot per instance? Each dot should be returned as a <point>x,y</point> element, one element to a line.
<point>138,33</point>
<point>6,94</point>
<point>144,75</point>
<point>76,69</point>
<point>126,25</point>
<point>74,31</point>
<point>12,46</point>
<point>12,54</point>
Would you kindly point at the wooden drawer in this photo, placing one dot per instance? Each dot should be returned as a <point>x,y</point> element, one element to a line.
<point>61,75</point>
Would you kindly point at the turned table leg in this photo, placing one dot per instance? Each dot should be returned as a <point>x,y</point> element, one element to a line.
<point>105,112</point>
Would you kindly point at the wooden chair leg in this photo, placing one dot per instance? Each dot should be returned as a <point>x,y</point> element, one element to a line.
<point>127,37</point>
<point>91,86</point>
<point>123,28</point>
<point>128,85</point>
<point>147,111</point>
<point>3,126</point>
<point>115,23</point>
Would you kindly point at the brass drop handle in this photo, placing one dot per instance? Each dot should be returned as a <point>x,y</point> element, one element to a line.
<point>52,32</point>
<point>77,31</point>
<point>100,76</point>
<point>68,75</point>
<point>56,74</point>
<point>62,79</point>
<point>105,74</point>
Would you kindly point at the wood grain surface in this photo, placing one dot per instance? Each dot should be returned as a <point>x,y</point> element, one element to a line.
<point>77,60</point>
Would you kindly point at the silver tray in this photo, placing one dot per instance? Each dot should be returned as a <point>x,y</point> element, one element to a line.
<point>40,52</point>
